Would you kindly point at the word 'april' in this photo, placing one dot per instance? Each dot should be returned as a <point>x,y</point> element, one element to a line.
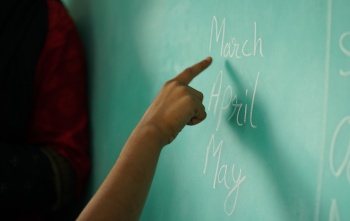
<point>229,101</point>
<point>234,48</point>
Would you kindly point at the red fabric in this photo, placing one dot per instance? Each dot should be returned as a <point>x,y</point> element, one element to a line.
<point>60,116</point>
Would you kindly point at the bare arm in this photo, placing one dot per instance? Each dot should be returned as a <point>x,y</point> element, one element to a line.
<point>123,193</point>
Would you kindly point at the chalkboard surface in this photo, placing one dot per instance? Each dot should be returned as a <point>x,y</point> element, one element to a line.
<point>275,144</point>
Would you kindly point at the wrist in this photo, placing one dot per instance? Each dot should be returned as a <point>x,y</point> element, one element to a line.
<point>153,134</point>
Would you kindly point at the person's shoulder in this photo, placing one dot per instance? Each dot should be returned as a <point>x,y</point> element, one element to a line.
<point>57,7</point>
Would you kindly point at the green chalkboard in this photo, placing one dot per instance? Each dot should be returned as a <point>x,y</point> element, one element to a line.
<point>275,144</point>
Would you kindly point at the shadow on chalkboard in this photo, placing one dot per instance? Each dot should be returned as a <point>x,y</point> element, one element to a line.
<point>291,189</point>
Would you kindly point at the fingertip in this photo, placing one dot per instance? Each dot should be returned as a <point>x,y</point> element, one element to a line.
<point>204,64</point>
<point>209,59</point>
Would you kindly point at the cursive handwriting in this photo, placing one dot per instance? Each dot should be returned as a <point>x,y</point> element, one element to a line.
<point>345,50</point>
<point>345,164</point>
<point>339,148</point>
<point>228,99</point>
<point>237,108</point>
<point>334,213</point>
<point>222,175</point>
<point>233,48</point>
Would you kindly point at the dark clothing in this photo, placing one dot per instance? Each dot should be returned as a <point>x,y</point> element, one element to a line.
<point>43,114</point>
<point>24,25</point>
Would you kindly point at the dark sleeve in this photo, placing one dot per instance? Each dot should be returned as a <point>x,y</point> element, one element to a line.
<point>51,169</point>
<point>34,179</point>
<point>60,119</point>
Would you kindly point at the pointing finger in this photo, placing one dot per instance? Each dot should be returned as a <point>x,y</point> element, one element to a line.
<point>190,73</point>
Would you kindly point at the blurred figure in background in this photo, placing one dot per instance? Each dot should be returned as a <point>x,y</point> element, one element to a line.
<point>44,138</point>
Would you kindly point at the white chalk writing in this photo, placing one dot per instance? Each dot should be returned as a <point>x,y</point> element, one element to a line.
<point>340,150</point>
<point>222,176</point>
<point>228,99</point>
<point>333,213</point>
<point>345,50</point>
<point>229,104</point>
<point>345,164</point>
<point>232,48</point>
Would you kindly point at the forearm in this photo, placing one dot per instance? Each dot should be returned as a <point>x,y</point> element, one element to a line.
<point>124,191</point>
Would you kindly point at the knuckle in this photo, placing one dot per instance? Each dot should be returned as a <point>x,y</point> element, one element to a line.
<point>189,70</point>
<point>183,89</point>
<point>204,115</point>
<point>190,100</point>
<point>201,95</point>
<point>171,83</point>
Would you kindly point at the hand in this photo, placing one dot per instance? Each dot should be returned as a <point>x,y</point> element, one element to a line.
<point>177,104</point>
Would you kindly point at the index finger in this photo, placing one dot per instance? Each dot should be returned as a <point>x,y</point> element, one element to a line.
<point>190,73</point>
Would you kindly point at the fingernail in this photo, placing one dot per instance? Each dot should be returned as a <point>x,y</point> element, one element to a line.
<point>209,59</point>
